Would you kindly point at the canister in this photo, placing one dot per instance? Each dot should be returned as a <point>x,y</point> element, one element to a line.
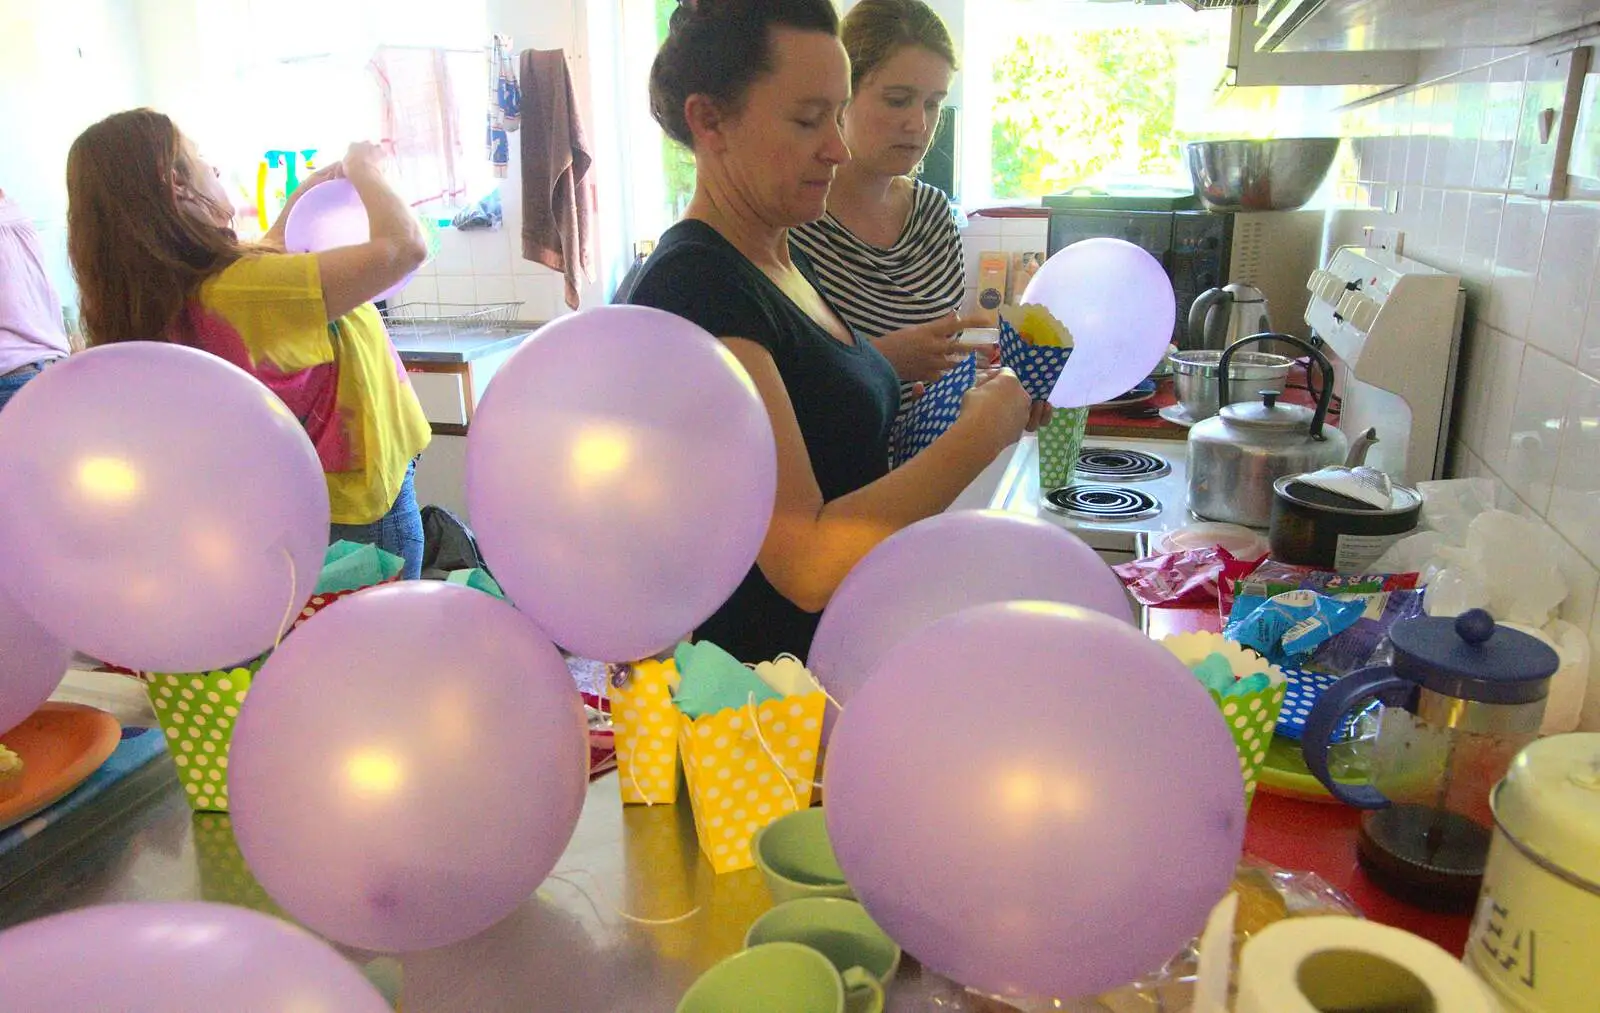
<point>1536,934</point>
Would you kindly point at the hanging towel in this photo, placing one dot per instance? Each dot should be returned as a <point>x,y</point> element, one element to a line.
<point>505,103</point>
<point>417,110</point>
<point>557,192</point>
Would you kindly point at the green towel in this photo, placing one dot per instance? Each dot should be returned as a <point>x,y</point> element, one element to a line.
<point>351,565</point>
<point>713,681</point>
<point>478,578</point>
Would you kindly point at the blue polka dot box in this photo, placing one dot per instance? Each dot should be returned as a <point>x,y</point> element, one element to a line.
<point>1037,366</point>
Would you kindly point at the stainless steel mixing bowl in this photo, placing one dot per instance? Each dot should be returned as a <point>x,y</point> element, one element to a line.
<point>1278,175</point>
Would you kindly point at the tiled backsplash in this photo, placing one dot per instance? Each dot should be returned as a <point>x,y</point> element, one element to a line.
<point>1447,163</point>
<point>483,266</point>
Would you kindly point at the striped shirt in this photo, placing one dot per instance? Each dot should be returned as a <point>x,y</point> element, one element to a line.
<point>877,290</point>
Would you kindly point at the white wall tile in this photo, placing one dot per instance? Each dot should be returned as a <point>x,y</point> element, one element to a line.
<point>420,289</point>
<point>1502,113</point>
<point>1441,123</point>
<point>1575,500</point>
<point>981,226</point>
<point>1566,275</point>
<point>457,290</point>
<point>1453,228</point>
<point>1533,444</point>
<point>1516,263</point>
<point>1422,234</point>
<point>1031,230</point>
<point>1421,134</point>
<point>1484,212</point>
<point>1466,129</point>
<point>495,288</point>
<point>491,252</point>
<point>1479,353</point>
<point>1022,243</point>
<point>455,254</point>
<point>1500,398</point>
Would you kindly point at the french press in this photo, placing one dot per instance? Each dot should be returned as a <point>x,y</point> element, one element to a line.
<point>1462,698</point>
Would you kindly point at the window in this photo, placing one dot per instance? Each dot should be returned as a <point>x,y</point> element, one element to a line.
<point>1061,94</point>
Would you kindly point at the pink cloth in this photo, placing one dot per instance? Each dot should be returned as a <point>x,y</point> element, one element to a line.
<point>557,191</point>
<point>30,311</point>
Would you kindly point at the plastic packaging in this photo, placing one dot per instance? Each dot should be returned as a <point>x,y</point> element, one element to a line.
<point>1176,579</point>
<point>1291,624</point>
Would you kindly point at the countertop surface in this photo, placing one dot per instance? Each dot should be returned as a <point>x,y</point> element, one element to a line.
<point>455,343</point>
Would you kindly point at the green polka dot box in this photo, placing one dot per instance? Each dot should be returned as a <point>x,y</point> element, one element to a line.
<point>197,711</point>
<point>1251,717</point>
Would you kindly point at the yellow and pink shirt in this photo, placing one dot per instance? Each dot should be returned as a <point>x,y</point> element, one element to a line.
<point>342,379</point>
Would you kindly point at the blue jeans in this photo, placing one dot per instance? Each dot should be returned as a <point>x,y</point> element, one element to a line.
<point>12,382</point>
<point>399,531</point>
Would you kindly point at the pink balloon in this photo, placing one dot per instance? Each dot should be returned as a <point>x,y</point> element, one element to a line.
<point>1118,303</point>
<point>620,476</point>
<point>328,216</point>
<point>408,767</point>
<point>940,566</point>
<point>1035,800</point>
<point>152,500</point>
<point>32,664</point>
<point>176,958</point>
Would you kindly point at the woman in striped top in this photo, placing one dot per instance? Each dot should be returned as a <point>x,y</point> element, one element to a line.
<point>888,251</point>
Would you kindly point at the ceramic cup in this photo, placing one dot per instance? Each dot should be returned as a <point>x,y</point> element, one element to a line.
<point>796,859</point>
<point>782,978</point>
<point>839,929</point>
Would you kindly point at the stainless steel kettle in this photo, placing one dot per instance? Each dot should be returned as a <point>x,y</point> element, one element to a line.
<point>1221,316</point>
<point>1236,455</point>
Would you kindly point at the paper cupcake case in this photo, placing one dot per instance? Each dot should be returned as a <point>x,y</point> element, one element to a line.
<point>197,711</point>
<point>1251,717</point>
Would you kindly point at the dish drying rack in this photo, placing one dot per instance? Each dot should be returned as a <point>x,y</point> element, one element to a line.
<point>452,315</point>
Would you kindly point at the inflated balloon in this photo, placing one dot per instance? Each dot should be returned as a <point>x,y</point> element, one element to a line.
<point>328,216</point>
<point>1035,800</point>
<point>620,476</point>
<point>159,507</point>
<point>940,566</point>
<point>176,958</point>
<point>32,664</point>
<point>408,767</point>
<point>1118,303</point>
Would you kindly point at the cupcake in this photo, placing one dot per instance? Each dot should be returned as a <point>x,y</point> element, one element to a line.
<point>10,774</point>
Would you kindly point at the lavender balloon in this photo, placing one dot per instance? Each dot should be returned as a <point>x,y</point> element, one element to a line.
<point>152,500</point>
<point>1035,800</point>
<point>328,216</point>
<point>175,958</point>
<point>409,766</point>
<point>620,475</point>
<point>32,663</point>
<point>940,566</point>
<point>1118,303</point>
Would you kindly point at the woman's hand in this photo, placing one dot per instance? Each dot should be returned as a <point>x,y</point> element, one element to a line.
<point>998,407</point>
<point>365,158</point>
<point>274,236</point>
<point>924,351</point>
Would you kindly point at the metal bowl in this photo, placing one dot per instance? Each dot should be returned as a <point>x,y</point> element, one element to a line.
<point>1276,175</point>
<point>1194,378</point>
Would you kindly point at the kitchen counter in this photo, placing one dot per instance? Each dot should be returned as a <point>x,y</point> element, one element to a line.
<point>455,343</point>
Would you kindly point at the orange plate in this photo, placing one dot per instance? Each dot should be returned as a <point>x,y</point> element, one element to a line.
<point>61,744</point>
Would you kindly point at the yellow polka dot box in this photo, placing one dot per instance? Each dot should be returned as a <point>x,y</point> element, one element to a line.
<point>197,711</point>
<point>747,766</point>
<point>644,725</point>
<point>1251,713</point>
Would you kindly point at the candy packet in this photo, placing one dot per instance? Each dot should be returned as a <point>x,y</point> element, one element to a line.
<point>1288,625</point>
<point>1176,579</point>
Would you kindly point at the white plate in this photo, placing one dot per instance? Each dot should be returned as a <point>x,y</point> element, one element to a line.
<point>979,336</point>
<point>1174,413</point>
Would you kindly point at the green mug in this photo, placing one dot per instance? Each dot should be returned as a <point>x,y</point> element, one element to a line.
<point>782,978</point>
<point>839,929</point>
<point>795,857</point>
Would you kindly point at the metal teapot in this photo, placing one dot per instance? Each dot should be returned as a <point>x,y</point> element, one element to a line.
<point>1219,317</point>
<point>1236,455</point>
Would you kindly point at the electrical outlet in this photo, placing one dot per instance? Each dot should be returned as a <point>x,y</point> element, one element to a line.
<point>1391,241</point>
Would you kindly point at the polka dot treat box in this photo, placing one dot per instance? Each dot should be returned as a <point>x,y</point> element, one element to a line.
<point>1303,690</point>
<point>735,785</point>
<point>197,712</point>
<point>645,727</point>
<point>1251,716</point>
<point>1037,366</point>
<point>932,413</point>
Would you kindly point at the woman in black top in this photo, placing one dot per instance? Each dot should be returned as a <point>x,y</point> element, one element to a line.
<point>755,88</point>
